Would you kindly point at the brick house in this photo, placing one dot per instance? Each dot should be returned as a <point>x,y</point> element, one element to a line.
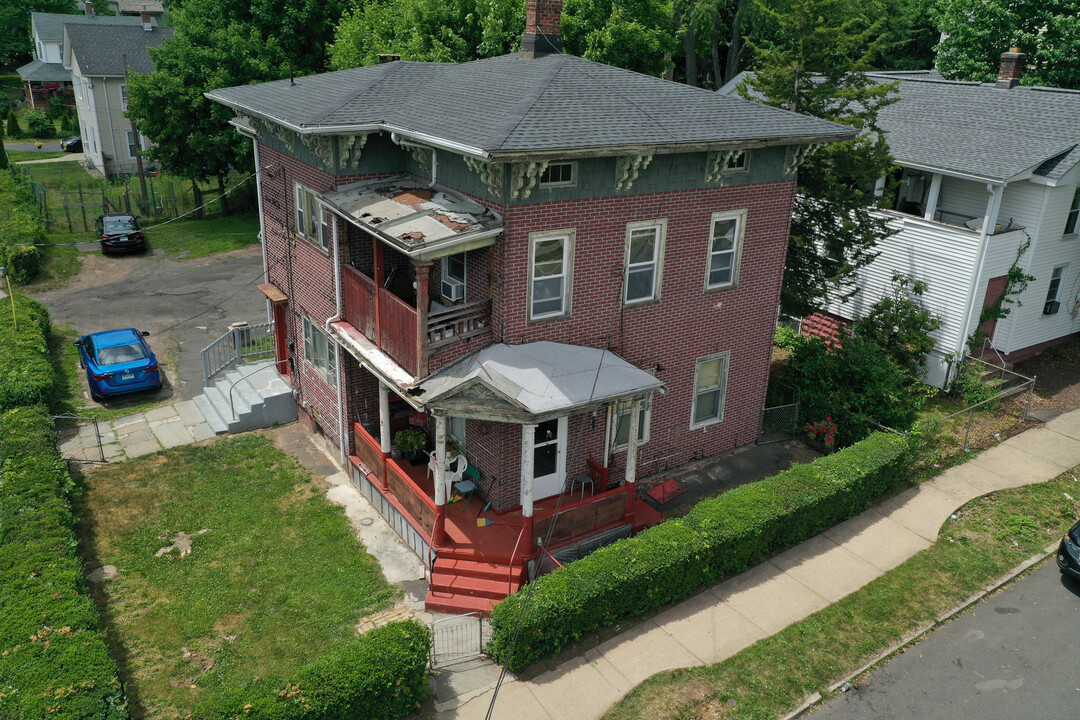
<point>571,270</point>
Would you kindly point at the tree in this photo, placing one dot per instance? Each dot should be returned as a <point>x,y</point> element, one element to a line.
<point>3,151</point>
<point>901,325</point>
<point>638,35</point>
<point>15,39</point>
<point>39,124</point>
<point>191,135</point>
<point>908,36</point>
<point>13,129</point>
<point>427,30</point>
<point>976,32</point>
<point>813,62</point>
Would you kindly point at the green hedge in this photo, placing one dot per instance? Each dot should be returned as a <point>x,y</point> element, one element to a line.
<point>53,658</point>
<point>26,373</point>
<point>21,227</point>
<point>720,536</point>
<point>382,674</point>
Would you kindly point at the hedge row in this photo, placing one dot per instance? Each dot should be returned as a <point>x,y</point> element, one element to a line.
<point>382,674</point>
<point>53,657</point>
<point>20,227</point>
<point>26,373</point>
<point>720,536</point>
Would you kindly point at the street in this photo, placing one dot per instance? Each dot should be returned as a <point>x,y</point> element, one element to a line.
<point>185,305</point>
<point>1013,656</point>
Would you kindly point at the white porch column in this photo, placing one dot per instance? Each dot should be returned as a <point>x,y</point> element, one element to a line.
<point>631,456</point>
<point>528,435</point>
<point>438,535</point>
<point>384,418</point>
<point>932,197</point>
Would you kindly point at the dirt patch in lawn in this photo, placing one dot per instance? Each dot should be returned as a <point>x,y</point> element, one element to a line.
<point>1057,377</point>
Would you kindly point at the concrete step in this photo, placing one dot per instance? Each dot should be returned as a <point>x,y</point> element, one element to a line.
<point>213,419</point>
<point>260,398</point>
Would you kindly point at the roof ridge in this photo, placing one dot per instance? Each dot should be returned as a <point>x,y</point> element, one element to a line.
<point>379,77</point>
<point>525,104</point>
<point>663,128</point>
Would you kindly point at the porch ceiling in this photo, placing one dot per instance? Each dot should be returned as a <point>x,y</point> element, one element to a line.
<point>534,381</point>
<point>422,221</point>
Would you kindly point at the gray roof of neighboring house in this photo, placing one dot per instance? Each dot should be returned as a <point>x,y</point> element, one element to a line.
<point>976,129</point>
<point>100,50</point>
<point>507,105</point>
<point>135,7</point>
<point>41,71</point>
<point>50,26</point>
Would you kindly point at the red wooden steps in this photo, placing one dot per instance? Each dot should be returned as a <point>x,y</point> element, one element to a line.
<point>459,585</point>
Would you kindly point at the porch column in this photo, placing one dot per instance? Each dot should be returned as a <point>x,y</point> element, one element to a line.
<point>932,197</point>
<point>438,536</point>
<point>384,429</point>
<point>631,457</point>
<point>528,435</point>
<point>379,276</point>
<point>423,274</point>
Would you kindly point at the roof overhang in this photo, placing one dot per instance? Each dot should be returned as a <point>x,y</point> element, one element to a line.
<point>951,173</point>
<point>423,221</point>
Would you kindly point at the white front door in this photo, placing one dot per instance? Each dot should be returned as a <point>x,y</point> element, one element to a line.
<point>549,458</point>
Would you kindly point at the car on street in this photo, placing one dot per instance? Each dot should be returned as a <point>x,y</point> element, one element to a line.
<point>119,232</point>
<point>71,144</point>
<point>1068,556</point>
<point>118,361</point>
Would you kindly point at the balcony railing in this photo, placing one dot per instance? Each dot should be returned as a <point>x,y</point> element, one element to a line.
<point>458,323</point>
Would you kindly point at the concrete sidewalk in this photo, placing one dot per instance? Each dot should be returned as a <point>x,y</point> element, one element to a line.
<point>729,616</point>
<point>139,434</point>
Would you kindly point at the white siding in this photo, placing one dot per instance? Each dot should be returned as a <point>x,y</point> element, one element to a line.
<point>941,256</point>
<point>961,197</point>
<point>1021,203</point>
<point>1000,254</point>
<point>88,123</point>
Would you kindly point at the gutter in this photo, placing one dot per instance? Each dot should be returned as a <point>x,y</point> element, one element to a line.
<point>337,346</point>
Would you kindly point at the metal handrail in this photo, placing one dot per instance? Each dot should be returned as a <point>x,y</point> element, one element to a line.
<point>553,558</point>
<point>232,410</point>
<point>510,573</point>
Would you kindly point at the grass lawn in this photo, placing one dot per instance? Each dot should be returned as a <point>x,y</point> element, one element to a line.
<point>63,175</point>
<point>275,579</point>
<point>772,677</point>
<point>191,239</point>
<point>21,155</point>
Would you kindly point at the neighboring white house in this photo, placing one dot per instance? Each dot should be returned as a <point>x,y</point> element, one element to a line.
<point>46,73</point>
<point>984,169</point>
<point>99,57</point>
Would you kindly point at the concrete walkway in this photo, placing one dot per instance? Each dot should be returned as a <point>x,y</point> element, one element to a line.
<point>729,616</point>
<point>139,434</point>
<point>73,157</point>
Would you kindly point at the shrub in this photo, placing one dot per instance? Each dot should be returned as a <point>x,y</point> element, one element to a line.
<point>13,129</point>
<point>21,227</point>
<point>26,374</point>
<point>39,124</point>
<point>901,325</point>
<point>970,386</point>
<point>786,338</point>
<point>53,658</point>
<point>382,674</point>
<point>720,536</point>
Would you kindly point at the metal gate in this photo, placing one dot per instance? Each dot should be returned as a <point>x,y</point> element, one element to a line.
<point>79,438</point>
<point>778,423</point>
<point>457,638</point>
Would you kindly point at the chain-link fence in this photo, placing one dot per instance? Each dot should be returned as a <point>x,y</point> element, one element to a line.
<point>79,439</point>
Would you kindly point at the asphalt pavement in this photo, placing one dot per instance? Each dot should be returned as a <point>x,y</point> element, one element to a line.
<point>1014,655</point>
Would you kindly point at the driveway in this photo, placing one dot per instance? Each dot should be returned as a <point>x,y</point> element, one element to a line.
<point>185,305</point>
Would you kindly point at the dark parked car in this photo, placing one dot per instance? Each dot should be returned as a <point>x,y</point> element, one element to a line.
<point>118,361</point>
<point>119,232</point>
<point>71,144</point>
<point>1068,556</point>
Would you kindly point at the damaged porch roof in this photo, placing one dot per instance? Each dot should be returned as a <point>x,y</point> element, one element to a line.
<point>534,381</point>
<point>423,221</point>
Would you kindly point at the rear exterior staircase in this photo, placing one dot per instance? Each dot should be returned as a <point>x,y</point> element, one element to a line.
<point>462,583</point>
<point>259,398</point>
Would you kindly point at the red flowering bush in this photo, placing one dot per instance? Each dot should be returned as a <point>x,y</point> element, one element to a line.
<point>822,432</point>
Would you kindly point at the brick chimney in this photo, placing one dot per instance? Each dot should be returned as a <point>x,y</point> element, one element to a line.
<point>144,17</point>
<point>1012,67</point>
<point>88,9</point>
<point>541,28</point>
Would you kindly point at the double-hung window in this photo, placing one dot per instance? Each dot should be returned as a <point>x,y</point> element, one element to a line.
<point>558,175</point>
<point>710,387</point>
<point>1053,293</point>
<point>644,261</point>
<point>312,219</point>
<point>620,416</point>
<point>550,257</point>
<point>1072,224</point>
<point>123,98</point>
<point>319,352</point>
<point>725,241</point>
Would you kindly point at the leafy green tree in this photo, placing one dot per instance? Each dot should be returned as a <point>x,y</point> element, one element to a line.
<point>13,129</point>
<point>813,62</point>
<point>3,151</point>
<point>39,124</point>
<point>15,40</point>
<point>976,32</point>
<point>191,135</point>
<point>637,35</point>
<point>908,36</point>
<point>427,30</point>
<point>901,325</point>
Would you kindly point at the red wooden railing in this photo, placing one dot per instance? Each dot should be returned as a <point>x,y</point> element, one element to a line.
<point>359,294</point>
<point>397,323</point>
<point>458,323</point>
<point>580,517</point>
<point>412,498</point>
<point>369,450</point>
<point>598,473</point>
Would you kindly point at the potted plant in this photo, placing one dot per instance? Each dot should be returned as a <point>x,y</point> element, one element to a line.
<point>452,448</point>
<point>412,444</point>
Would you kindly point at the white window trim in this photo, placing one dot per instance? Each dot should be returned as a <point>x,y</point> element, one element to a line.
<point>615,412</point>
<point>313,336</point>
<point>726,357</point>
<point>568,272</point>
<point>1072,233</point>
<point>560,183</point>
<point>129,136</point>
<point>308,208</point>
<point>657,262</point>
<point>445,272</point>
<point>123,97</point>
<point>730,169</point>
<point>739,216</point>
<point>1064,268</point>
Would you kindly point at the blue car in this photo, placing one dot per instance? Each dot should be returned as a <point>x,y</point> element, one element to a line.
<point>118,361</point>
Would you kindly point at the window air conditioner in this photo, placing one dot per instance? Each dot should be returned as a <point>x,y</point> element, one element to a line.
<point>453,290</point>
<point>1051,307</point>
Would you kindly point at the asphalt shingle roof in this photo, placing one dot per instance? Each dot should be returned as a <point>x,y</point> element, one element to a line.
<point>50,26</point>
<point>977,129</point>
<point>100,49</point>
<point>507,105</point>
<point>40,71</point>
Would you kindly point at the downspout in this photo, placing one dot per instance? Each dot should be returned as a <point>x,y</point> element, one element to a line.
<point>337,346</point>
<point>112,132</point>
<point>262,227</point>
<point>989,221</point>
<point>1031,258</point>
